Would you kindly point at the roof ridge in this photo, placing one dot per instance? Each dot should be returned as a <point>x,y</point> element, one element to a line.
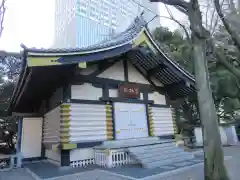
<point>123,37</point>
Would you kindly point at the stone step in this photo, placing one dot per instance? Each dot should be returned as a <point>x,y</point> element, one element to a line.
<point>162,152</point>
<point>145,151</point>
<point>153,146</point>
<point>170,161</point>
<point>156,152</point>
<point>132,143</point>
<point>156,155</point>
<point>160,157</point>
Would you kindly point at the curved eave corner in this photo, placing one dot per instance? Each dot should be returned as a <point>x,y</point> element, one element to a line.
<point>144,39</point>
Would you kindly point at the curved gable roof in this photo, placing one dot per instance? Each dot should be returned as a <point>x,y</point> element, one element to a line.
<point>131,37</point>
<point>120,39</point>
<point>135,37</point>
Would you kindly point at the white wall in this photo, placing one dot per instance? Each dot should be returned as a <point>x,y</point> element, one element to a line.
<point>115,72</point>
<point>31,142</point>
<point>162,121</point>
<point>135,76</point>
<point>157,98</point>
<point>86,92</point>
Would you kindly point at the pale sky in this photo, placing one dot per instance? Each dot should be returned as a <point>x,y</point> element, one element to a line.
<point>31,22</point>
<point>177,15</point>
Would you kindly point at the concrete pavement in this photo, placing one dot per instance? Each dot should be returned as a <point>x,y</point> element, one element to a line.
<point>232,155</point>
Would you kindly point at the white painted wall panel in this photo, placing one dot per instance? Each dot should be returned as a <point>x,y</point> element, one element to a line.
<point>162,121</point>
<point>81,154</point>
<point>86,92</point>
<point>157,98</point>
<point>51,126</point>
<point>88,122</point>
<point>113,93</point>
<point>135,76</point>
<point>31,142</point>
<point>115,72</point>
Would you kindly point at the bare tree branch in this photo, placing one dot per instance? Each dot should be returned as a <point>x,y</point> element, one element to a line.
<point>214,21</point>
<point>206,14</point>
<point>181,5</point>
<point>227,25</point>
<point>180,24</point>
<point>2,15</point>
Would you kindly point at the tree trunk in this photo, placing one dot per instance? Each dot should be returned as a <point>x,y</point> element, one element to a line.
<point>214,161</point>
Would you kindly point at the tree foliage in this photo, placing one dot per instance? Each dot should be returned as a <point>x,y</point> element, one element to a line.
<point>225,85</point>
<point>9,71</point>
<point>176,45</point>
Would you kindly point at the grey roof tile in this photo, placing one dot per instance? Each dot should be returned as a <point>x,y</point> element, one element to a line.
<point>124,37</point>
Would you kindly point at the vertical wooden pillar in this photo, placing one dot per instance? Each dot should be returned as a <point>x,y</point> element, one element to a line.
<point>19,134</point>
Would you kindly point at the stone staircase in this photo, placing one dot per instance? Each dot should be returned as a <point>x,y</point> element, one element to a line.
<point>150,152</point>
<point>161,154</point>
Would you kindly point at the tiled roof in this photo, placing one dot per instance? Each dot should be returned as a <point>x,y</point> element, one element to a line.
<point>122,38</point>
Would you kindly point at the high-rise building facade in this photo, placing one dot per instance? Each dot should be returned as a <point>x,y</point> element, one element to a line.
<point>151,14</point>
<point>82,23</point>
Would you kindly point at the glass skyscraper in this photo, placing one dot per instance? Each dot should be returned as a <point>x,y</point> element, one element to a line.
<point>82,23</point>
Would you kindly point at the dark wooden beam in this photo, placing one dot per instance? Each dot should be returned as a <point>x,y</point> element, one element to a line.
<point>173,89</point>
<point>160,57</point>
<point>176,85</point>
<point>112,84</point>
<point>24,86</point>
<point>155,70</point>
<point>27,114</point>
<point>125,67</point>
